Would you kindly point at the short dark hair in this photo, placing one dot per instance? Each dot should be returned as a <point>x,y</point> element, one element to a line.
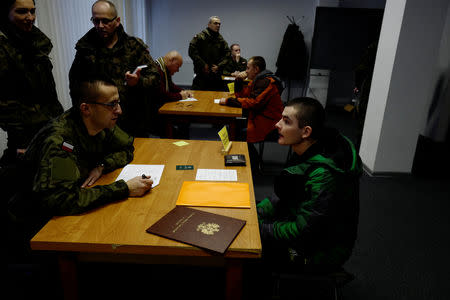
<point>309,112</point>
<point>235,44</point>
<point>88,90</point>
<point>258,61</point>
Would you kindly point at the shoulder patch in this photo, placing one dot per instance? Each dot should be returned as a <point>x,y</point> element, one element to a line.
<point>67,147</point>
<point>63,169</point>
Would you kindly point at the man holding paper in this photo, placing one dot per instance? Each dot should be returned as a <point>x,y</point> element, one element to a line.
<point>108,49</point>
<point>67,157</point>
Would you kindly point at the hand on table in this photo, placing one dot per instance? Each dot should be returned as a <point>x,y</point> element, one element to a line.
<point>93,176</point>
<point>186,94</point>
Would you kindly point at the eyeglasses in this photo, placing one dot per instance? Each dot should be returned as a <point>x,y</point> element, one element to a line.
<point>113,105</point>
<point>105,21</point>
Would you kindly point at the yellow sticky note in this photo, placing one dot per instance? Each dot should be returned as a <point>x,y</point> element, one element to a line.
<point>223,134</point>
<point>231,88</point>
<point>181,143</point>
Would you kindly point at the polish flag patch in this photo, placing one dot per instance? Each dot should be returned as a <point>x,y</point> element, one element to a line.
<point>67,147</point>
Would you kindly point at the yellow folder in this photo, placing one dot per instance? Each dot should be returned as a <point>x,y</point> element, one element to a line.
<point>215,194</point>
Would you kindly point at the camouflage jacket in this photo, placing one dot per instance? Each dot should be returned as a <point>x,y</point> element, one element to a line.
<point>233,66</point>
<point>93,57</point>
<point>60,158</point>
<point>28,99</point>
<point>208,47</point>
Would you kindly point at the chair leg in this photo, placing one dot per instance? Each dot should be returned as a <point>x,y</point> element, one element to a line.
<point>261,150</point>
<point>261,156</point>
<point>288,157</point>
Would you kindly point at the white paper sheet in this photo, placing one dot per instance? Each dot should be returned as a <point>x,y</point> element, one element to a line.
<point>216,175</point>
<point>131,171</point>
<point>187,100</point>
<point>217,101</point>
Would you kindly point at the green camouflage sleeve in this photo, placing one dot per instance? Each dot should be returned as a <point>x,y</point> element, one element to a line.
<point>149,76</point>
<point>58,183</point>
<point>11,108</point>
<point>194,53</point>
<point>122,149</point>
<point>226,54</point>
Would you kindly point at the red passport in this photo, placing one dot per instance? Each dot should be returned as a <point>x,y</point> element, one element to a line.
<point>198,228</point>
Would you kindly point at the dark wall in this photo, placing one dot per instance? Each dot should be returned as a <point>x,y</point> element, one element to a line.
<point>341,37</point>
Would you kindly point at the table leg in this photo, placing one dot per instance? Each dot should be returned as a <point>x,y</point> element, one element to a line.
<point>68,273</point>
<point>233,131</point>
<point>169,128</point>
<point>233,277</point>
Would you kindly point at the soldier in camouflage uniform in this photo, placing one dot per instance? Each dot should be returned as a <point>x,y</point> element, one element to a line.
<point>236,63</point>
<point>210,53</point>
<point>28,98</point>
<point>68,155</point>
<point>107,49</point>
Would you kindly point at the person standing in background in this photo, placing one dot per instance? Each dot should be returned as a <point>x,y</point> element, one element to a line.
<point>107,49</point>
<point>210,53</point>
<point>28,99</point>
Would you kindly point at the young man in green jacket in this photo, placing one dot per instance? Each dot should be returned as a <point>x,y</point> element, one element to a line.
<point>312,216</point>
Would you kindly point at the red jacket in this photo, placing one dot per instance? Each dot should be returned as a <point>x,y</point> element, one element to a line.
<point>263,101</point>
<point>173,91</point>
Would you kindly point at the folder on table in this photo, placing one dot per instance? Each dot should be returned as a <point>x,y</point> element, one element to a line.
<point>215,194</point>
<point>199,228</point>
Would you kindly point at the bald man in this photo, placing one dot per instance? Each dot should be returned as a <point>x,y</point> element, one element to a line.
<point>168,65</point>
<point>108,49</point>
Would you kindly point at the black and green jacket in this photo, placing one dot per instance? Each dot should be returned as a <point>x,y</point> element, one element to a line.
<point>315,205</point>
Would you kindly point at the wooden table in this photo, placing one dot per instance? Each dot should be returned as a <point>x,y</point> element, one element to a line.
<point>116,232</point>
<point>202,111</point>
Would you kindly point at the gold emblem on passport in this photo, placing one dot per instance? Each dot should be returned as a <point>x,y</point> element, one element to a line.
<point>208,228</point>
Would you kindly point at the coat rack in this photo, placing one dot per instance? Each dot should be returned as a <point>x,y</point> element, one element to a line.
<point>292,19</point>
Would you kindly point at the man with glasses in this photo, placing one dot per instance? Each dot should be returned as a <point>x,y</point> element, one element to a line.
<point>209,52</point>
<point>106,48</point>
<point>67,157</point>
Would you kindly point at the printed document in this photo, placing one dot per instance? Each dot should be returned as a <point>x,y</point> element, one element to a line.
<point>131,171</point>
<point>216,175</point>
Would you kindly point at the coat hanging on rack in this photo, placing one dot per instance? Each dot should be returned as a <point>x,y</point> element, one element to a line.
<point>292,62</point>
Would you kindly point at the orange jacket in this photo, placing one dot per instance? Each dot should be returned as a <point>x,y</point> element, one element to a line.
<point>262,99</point>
